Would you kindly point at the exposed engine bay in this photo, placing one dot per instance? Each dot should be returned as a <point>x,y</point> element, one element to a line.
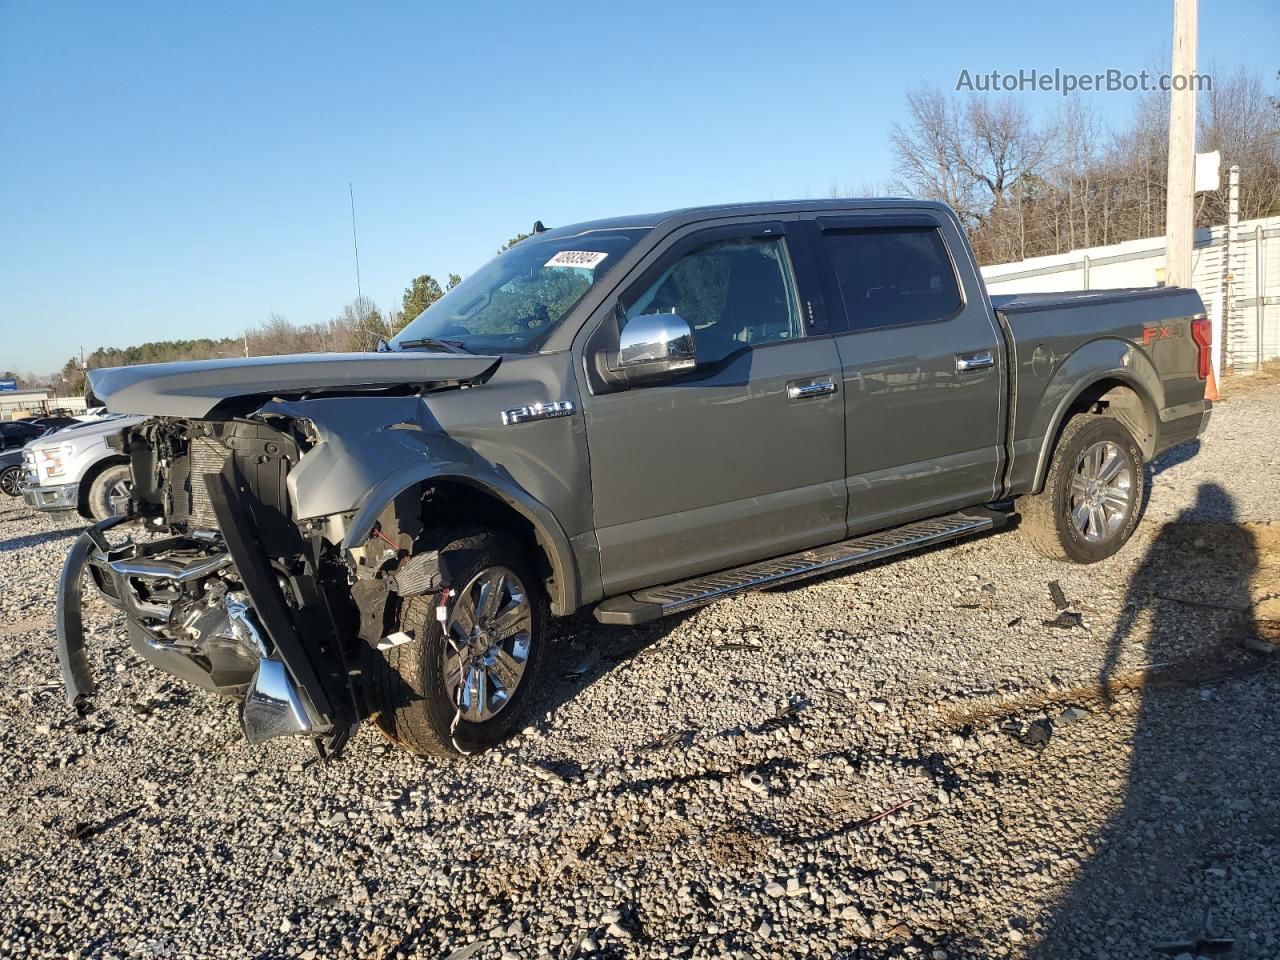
<point>218,583</point>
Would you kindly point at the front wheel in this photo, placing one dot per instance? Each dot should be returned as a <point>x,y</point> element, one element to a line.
<point>1092,496</point>
<point>11,481</point>
<point>109,492</point>
<point>458,687</point>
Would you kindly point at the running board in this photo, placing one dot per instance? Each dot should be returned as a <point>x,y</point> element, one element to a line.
<point>654,602</point>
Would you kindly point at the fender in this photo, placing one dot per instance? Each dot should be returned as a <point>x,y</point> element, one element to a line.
<point>551,537</point>
<point>366,454</point>
<point>1097,361</point>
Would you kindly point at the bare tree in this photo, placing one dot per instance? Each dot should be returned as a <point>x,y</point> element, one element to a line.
<point>928,148</point>
<point>1239,119</point>
<point>1024,190</point>
<point>999,145</point>
<point>972,157</point>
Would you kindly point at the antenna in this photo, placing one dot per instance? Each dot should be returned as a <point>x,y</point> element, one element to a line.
<point>355,245</point>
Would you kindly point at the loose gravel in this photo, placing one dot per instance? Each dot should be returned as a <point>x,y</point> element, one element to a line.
<point>927,758</point>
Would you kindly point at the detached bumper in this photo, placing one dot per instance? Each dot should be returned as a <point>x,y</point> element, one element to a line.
<point>273,704</point>
<point>65,496</point>
<point>69,620</point>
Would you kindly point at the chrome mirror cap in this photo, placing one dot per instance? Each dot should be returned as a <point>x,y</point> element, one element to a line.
<point>664,340</point>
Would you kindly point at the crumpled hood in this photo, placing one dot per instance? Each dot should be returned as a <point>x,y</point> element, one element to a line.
<point>194,388</point>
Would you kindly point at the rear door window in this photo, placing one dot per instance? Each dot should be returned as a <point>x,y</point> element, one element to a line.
<point>893,276</point>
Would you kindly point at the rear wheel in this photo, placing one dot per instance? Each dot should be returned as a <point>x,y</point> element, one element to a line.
<point>109,492</point>
<point>1092,496</point>
<point>11,481</point>
<point>458,687</point>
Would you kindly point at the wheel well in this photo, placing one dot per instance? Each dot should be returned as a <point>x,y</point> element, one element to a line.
<point>90,475</point>
<point>1110,398</point>
<point>420,515</point>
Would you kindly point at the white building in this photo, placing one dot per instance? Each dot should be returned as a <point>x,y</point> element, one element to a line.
<point>37,403</point>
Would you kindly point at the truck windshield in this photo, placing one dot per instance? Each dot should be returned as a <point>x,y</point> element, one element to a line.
<point>516,299</point>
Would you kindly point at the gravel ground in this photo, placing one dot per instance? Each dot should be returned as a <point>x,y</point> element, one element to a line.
<point>940,773</point>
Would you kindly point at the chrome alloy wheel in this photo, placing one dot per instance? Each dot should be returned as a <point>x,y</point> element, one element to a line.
<point>118,496</point>
<point>1101,495</point>
<point>489,631</point>
<point>11,481</point>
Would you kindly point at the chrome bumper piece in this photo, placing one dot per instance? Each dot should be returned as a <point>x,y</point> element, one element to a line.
<point>275,707</point>
<point>65,496</point>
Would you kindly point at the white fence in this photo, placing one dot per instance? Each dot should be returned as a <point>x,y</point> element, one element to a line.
<point>1238,279</point>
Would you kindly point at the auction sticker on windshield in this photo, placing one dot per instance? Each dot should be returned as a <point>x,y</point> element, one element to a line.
<point>586,259</point>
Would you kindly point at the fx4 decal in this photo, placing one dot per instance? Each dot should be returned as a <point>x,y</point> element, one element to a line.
<point>1152,334</point>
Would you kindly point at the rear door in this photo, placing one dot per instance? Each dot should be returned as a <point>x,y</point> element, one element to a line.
<point>743,457</point>
<point>923,366</point>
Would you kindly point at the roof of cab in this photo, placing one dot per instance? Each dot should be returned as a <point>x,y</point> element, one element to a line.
<point>717,211</point>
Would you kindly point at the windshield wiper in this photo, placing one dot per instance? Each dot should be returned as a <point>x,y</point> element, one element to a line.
<point>434,343</point>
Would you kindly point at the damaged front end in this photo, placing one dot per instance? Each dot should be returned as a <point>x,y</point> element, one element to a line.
<point>218,583</point>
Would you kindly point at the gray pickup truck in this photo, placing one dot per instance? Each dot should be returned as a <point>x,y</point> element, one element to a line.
<point>640,415</point>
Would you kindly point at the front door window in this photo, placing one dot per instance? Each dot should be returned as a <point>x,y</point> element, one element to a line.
<point>732,293</point>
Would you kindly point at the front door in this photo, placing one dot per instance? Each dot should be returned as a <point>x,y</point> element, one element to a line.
<point>741,458</point>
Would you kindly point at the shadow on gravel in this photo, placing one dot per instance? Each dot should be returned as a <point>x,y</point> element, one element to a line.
<point>35,539</point>
<point>1174,456</point>
<point>1171,869</point>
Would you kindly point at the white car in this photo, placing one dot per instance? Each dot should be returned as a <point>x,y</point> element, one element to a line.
<point>76,469</point>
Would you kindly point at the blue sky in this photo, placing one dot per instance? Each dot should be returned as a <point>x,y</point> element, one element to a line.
<point>181,170</point>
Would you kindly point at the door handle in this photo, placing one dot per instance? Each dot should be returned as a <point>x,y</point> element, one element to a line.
<point>969,362</point>
<point>809,389</point>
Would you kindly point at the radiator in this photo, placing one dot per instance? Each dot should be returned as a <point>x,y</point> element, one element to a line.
<point>189,497</point>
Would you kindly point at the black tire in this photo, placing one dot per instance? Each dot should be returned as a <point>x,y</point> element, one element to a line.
<point>1049,521</point>
<point>98,501</point>
<point>11,481</point>
<point>406,686</point>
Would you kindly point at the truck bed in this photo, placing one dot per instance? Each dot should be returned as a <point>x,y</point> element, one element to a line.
<point>1139,337</point>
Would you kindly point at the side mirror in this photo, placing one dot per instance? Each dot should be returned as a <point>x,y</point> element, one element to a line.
<point>654,346</point>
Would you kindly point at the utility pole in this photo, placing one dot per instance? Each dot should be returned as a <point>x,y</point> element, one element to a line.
<point>1180,203</point>
<point>355,245</point>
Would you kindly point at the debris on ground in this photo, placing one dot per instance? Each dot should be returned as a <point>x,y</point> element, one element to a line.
<point>584,666</point>
<point>1255,644</point>
<point>1067,620</point>
<point>1035,736</point>
<point>755,781</point>
<point>1072,715</point>
<point>783,719</point>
